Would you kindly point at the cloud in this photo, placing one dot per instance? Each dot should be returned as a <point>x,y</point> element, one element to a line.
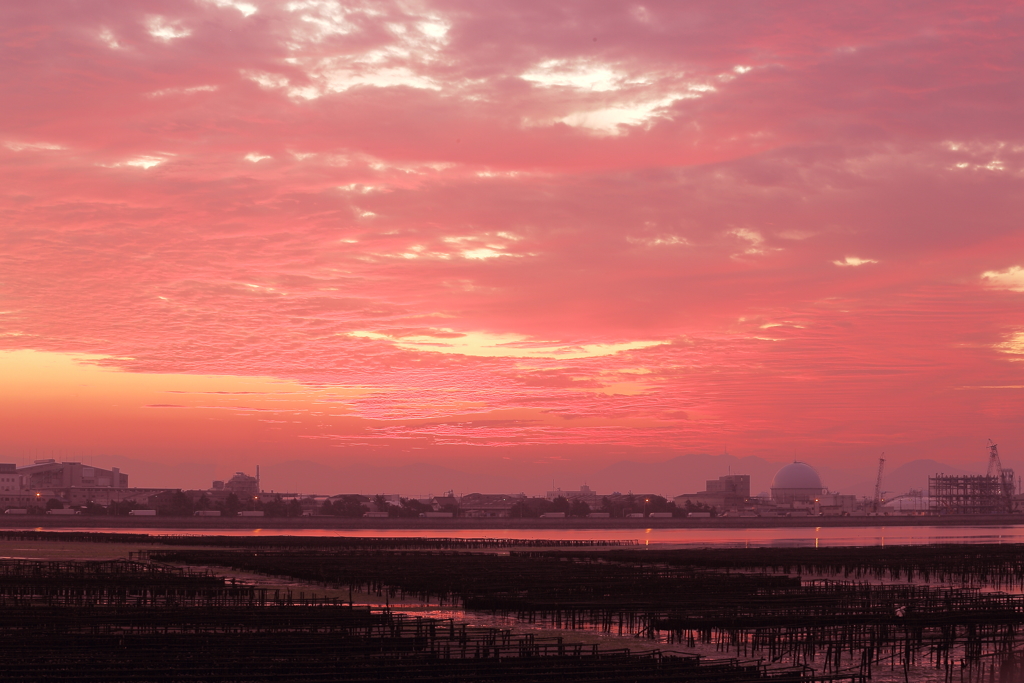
<point>1014,345</point>
<point>658,241</point>
<point>32,146</point>
<point>163,30</point>
<point>505,345</point>
<point>143,162</point>
<point>246,8</point>
<point>1012,278</point>
<point>578,75</point>
<point>754,239</point>
<point>853,261</point>
<point>183,91</point>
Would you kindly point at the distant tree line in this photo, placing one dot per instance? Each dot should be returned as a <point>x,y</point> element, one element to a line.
<point>617,507</point>
<point>354,506</point>
<point>180,504</point>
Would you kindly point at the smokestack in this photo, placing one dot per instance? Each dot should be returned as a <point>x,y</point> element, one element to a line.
<point>258,489</point>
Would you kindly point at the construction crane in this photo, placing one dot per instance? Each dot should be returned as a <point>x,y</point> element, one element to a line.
<point>878,483</point>
<point>995,469</point>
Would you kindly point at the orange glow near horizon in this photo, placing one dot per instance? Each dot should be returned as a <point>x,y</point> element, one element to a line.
<point>82,410</point>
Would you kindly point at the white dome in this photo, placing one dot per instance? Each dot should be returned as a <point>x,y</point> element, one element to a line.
<point>798,475</point>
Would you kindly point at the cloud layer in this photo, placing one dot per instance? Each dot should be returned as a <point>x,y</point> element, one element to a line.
<point>659,227</point>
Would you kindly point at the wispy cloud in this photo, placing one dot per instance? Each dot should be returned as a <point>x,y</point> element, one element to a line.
<point>854,261</point>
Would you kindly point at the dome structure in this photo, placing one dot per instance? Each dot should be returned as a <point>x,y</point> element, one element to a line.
<point>796,482</point>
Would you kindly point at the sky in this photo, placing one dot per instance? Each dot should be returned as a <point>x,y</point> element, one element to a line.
<point>511,237</point>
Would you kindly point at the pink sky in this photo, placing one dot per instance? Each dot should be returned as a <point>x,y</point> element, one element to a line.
<point>511,234</point>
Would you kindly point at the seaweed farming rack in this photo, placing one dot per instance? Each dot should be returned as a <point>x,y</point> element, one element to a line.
<point>141,621</point>
<point>931,613</point>
<point>740,603</point>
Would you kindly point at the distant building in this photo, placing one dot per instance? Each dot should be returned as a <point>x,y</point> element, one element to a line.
<point>834,504</point>
<point>44,474</point>
<point>445,503</point>
<point>730,491</point>
<point>73,484</point>
<point>731,486</point>
<point>242,485</point>
<point>908,503</point>
<point>75,496</point>
<point>797,482</point>
<point>488,505</point>
<point>10,480</point>
<point>584,494</point>
<point>12,488</point>
<point>971,494</point>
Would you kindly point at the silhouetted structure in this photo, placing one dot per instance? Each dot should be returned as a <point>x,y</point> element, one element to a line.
<point>243,485</point>
<point>730,491</point>
<point>50,474</point>
<point>585,494</point>
<point>797,482</point>
<point>972,494</point>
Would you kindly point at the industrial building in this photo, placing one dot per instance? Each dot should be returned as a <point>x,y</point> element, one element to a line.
<point>585,494</point>
<point>992,493</point>
<point>796,489</point>
<point>50,474</point>
<point>12,487</point>
<point>74,496</point>
<point>973,494</point>
<point>730,491</point>
<point>10,480</point>
<point>797,482</point>
<point>241,484</point>
<point>488,505</point>
<point>72,483</point>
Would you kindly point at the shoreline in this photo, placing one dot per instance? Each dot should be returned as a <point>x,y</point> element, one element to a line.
<point>469,523</point>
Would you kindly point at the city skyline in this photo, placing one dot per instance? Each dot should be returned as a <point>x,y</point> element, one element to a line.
<point>514,240</point>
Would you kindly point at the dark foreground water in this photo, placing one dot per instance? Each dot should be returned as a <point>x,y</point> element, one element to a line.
<point>662,538</point>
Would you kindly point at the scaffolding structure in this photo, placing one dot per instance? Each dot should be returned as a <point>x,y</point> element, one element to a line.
<point>972,494</point>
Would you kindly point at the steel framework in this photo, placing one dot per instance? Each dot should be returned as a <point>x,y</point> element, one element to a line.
<point>971,494</point>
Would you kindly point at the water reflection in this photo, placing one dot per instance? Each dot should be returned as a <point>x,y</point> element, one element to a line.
<point>792,537</point>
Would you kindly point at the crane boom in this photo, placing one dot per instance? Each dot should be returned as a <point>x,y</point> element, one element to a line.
<point>1005,476</point>
<point>878,482</point>
<point>995,467</point>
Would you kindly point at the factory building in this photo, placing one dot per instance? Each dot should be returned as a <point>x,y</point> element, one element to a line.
<point>730,491</point>
<point>12,489</point>
<point>241,484</point>
<point>50,474</point>
<point>585,494</point>
<point>71,483</point>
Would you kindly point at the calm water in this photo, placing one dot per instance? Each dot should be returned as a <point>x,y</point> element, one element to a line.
<point>661,538</point>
